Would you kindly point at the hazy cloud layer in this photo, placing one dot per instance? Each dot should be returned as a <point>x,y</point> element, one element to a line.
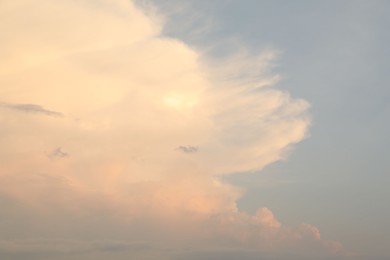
<point>132,99</point>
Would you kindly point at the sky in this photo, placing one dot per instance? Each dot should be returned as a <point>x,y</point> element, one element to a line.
<point>169,129</point>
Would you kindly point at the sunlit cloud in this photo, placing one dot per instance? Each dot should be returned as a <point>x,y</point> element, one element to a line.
<point>149,125</point>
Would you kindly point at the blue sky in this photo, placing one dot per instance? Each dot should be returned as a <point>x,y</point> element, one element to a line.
<point>218,129</point>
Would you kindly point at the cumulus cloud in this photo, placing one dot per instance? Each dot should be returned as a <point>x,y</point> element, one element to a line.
<point>133,98</point>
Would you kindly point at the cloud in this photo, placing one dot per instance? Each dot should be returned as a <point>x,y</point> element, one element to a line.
<point>73,249</point>
<point>133,98</point>
<point>188,149</point>
<point>58,153</point>
<point>31,108</point>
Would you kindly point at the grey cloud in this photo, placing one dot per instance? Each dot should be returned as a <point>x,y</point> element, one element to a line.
<point>31,108</point>
<point>75,249</point>
<point>247,254</point>
<point>58,153</point>
<point>188,149</point>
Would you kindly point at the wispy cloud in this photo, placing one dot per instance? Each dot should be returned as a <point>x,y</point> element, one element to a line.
<point>58,153</point>
<point>30,108</point>
<point>188,149</point>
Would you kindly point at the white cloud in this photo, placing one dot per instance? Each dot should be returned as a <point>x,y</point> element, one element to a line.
<point>132,97</point>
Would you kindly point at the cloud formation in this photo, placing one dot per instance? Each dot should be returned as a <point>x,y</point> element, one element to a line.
<point>30,108</point>
<point>188,149</point>
<point>132,97</point>
<point>58,153</point>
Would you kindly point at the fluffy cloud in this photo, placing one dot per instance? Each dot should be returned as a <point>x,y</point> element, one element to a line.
<point>144,124</point>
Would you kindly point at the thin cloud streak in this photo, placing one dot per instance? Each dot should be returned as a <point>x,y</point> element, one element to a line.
<point>31,108</point>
